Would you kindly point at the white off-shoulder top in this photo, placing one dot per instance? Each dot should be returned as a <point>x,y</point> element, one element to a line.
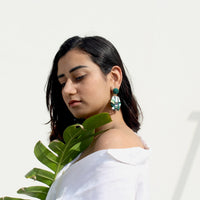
<point>109,174</point>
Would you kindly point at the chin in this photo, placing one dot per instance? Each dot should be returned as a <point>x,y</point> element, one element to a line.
<point>84,115</point>
<point>81,115</point>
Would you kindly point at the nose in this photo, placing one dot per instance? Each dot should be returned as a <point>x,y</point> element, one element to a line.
<point>69,88</point>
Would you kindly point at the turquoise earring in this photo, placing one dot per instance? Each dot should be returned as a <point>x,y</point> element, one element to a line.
<point>115,100</point>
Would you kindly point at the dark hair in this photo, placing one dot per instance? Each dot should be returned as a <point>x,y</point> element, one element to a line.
<point>105,55</point>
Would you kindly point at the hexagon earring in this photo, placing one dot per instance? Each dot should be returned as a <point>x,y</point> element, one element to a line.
<point>115,100</point>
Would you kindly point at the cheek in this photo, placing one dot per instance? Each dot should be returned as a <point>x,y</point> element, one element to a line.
<point>95,86</point>
<point>97,93</point>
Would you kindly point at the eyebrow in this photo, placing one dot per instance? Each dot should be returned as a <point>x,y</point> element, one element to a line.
<point>72,70</point>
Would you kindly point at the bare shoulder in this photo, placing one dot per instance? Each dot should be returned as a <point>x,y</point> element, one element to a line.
<point>117,138</point>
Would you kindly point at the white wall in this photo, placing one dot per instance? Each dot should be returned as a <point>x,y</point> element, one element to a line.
<point>159,43</point>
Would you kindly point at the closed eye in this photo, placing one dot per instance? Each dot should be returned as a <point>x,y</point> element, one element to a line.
<point>79,78</point>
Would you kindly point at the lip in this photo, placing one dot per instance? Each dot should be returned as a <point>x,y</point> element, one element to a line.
<point>74,103</point>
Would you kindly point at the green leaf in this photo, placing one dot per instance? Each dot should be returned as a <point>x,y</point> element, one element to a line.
<point>39,192</point>
<point>77,145</point>
<point>96,121</point>
<point>57,146</point>
<point>41,175</point>
<point>85,142</point>
<point>45,156</point>
<point>77,138</point>
<point>71,132</point>
<point>70,155</point>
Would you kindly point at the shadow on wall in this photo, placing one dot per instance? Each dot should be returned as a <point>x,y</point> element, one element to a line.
<point>195,116</point>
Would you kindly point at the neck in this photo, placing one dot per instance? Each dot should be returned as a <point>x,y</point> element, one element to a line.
<point>117,122</point>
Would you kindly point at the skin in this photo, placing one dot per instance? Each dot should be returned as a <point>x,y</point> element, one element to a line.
<point>83,81</point>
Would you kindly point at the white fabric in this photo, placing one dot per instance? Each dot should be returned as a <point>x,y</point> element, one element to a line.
<point>110,174</point>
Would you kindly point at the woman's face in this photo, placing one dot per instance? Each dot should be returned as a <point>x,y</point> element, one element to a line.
<point>85,89</point>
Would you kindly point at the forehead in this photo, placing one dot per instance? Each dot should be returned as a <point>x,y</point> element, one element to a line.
<point>74,58</point>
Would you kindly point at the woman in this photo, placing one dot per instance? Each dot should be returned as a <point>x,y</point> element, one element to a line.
<point>87,75</point>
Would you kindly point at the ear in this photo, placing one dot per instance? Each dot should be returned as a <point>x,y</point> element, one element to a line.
<point>115,77</point>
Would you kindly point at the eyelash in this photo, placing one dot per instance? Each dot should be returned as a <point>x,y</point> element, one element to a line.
<point>79,78</point>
